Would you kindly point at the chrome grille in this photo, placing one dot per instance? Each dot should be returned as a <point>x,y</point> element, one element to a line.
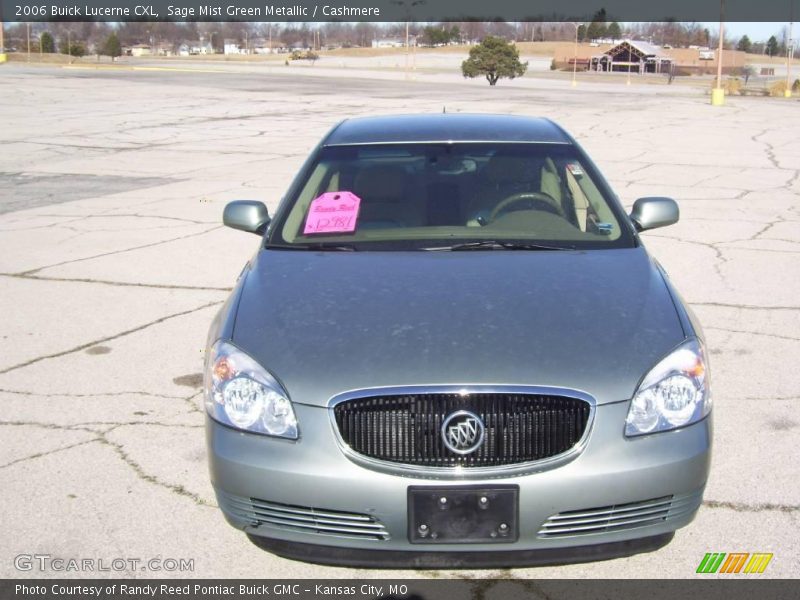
<point>619,516</point>
<point>406,428</point>
<point>306,519</point>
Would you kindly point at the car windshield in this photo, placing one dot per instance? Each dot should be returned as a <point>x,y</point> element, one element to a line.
<point>449,196</point>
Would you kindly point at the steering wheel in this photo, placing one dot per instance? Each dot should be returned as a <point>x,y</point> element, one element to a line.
<point>539,200</point>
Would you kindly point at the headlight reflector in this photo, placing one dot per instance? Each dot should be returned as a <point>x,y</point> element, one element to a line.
<point>242,394</point>
<point>675,393</point>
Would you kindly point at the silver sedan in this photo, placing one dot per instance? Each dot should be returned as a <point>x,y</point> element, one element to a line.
<point>451,349</point>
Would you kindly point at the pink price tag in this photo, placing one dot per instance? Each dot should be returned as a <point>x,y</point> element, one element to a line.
<point>333,212</point>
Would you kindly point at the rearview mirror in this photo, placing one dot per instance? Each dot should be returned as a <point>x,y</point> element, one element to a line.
<point>650,213</point>
<point>248,215</point>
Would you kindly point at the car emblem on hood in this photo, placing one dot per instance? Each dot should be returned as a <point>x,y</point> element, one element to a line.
<point>462,432</point>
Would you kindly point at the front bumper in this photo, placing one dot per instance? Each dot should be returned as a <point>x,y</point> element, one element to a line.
<point>621,496</point>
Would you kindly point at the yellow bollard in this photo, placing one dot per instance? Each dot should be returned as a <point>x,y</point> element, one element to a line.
<point>717,96</point>
<point>787,93</point>
<point>3,58</point>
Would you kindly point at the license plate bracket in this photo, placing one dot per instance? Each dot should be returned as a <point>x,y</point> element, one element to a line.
<point>474,514</point>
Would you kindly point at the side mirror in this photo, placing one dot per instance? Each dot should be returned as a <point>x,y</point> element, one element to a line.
<point>248,215</point>
<point>650,213</point>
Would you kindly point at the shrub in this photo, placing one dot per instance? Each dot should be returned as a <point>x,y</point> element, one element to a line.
<point>778,88</point>
<point>732,86</point>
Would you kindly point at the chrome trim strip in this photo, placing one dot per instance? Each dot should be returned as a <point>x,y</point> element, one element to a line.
<point>462,472</point>
<point>412,142</point>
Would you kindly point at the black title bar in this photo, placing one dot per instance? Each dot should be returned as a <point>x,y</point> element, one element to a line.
<point>733,588</point>
<point>394,10</point>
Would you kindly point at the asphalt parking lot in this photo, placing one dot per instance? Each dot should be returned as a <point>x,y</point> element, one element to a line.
<point>113,262</point>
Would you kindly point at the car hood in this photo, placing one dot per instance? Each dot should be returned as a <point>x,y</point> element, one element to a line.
<point>328,322</point>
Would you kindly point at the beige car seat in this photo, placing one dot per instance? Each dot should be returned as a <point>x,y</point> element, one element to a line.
<point>387,199</point>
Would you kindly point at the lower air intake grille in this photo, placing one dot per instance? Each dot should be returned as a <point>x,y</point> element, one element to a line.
<point>615,518</point>
<point>407,428</point>
<point>307,520</point>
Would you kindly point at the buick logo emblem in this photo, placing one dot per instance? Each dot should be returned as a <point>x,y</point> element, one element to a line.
<point>462,432</point>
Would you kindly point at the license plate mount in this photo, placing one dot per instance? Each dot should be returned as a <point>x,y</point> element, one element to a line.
<point>463,514</point>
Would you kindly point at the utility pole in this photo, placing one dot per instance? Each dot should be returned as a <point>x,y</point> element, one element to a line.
<point>29,41</point>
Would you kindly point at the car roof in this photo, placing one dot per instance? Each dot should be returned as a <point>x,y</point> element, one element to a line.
<point>459,127</point>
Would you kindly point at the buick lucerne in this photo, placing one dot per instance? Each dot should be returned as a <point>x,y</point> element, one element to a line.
<point>451,348</point>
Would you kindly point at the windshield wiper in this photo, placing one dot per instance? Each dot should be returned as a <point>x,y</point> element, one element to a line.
<point>319,246</point>
<point>499,245</point>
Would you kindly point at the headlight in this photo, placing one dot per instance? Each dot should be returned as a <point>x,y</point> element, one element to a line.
<point>242,394</point>
<point>673,394</point>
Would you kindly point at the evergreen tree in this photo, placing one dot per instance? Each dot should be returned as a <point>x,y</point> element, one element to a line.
<point>772,46</point>
<point>112,47</point>
<point>47,42</point>
<point>745,45</point>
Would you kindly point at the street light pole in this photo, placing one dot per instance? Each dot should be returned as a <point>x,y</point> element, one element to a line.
<point>407,49</point>
<point>789,55</point>
<point>718,93</point>
<point>575,56</point>
<point>29,41</point>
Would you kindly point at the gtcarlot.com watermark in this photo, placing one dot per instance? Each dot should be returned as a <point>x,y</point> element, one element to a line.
<point>61,564</point>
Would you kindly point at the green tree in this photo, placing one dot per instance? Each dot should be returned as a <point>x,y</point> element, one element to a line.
<point>76,49</point>
<point>493,58</point>
<point>112,47</point>
<point>598,28</point>
<point>744,45</point>
<point>581,32</point>
<point>772,46</point>
<point>614,31</point>
<point>593,31</point>
<point>47,43</point>
<point>435,36</point>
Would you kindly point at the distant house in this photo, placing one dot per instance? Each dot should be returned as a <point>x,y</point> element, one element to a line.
<point>141,50</point>
<point>266,46</point>
<point>233,47</point>
<point>393,42</point>
<point>194,47</point>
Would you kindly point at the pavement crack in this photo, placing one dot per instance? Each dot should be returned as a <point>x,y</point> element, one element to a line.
<point>96,395</point>
<point>761,333</point>
<point>49,452</point>
<point>102,438</point>
<point>150,245</point>
<point>769,149</point>
<point>761,507</point>
<point>719,258</point>
<point>144,476</point>
<point>743,306</point>
<point>108,338</point>
<point>157,286</point>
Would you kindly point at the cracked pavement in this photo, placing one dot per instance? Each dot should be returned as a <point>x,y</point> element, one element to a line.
<point>113,262</point>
